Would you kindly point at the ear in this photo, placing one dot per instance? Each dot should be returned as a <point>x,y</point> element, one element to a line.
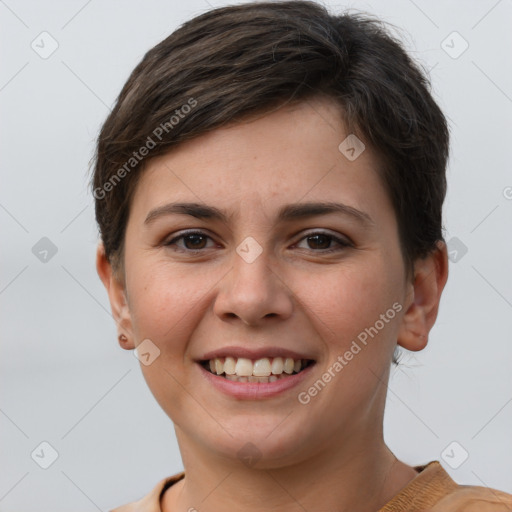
<point>424,295</point>
<point>118,299</point>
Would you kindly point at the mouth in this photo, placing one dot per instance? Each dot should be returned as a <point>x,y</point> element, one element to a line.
<point>263,370</point>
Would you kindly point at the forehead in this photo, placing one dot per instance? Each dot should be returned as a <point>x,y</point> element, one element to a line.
<point>290,155</point>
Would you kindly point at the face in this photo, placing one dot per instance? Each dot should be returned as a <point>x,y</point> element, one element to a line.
<point>282,248</point>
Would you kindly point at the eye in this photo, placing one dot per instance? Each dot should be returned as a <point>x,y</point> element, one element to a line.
<point>320,241</point>
<point>192,241</point>
<point>317,241</point>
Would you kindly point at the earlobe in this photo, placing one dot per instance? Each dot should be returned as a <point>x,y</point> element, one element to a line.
<point>430,276</point>
<point>117,297</point>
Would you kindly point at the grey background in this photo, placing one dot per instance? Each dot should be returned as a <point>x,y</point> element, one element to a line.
<point>64,379</point>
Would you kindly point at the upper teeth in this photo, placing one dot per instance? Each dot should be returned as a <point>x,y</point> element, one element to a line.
<point>264,367</point>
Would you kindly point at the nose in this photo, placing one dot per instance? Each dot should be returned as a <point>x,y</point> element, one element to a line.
<point>254,293</point>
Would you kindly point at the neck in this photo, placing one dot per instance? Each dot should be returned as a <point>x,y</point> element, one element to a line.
<point>361,474</point>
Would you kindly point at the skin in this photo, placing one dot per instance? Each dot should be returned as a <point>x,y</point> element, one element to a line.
<point>328,454</point>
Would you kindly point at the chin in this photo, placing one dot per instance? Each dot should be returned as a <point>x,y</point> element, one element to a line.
<point>262,443</point>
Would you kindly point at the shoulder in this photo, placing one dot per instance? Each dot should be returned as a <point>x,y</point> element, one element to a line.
<point>468,498</point>
<point>151,502</point>
<point>433,490</point>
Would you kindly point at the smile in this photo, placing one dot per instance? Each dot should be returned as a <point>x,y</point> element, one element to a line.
<point>263,370</point>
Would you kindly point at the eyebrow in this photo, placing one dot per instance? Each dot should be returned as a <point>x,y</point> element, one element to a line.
<point>286,213</point>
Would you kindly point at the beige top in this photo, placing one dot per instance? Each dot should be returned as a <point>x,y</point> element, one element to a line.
<point>432,490</point>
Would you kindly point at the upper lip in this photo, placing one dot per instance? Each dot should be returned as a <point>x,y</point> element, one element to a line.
<point>254,353</point>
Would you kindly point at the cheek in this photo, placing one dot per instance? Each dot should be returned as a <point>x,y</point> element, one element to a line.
<point>164,300</point>
<point>346,307</point>
<point>165,307</point>
<point>350,299</point>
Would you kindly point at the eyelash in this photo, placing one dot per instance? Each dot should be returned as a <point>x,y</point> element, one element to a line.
<point>342,243</point>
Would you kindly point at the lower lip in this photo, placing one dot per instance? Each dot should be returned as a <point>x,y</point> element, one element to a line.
<point>255,390</point>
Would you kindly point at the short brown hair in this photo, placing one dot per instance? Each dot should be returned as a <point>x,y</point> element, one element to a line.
<point>239,60</point>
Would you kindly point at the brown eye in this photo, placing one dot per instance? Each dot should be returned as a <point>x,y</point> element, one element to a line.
<point>192,241</point>
<point>319,241</point>
<point>324,242</point>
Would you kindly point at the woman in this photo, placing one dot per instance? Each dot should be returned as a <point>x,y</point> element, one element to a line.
<point>269,191</point>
